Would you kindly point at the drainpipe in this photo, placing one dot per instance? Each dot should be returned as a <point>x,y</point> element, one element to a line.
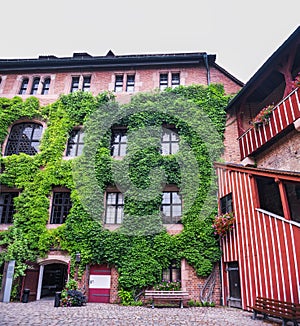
<point>207,68</point>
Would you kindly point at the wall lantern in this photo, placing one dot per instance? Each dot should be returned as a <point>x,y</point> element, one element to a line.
<point>77,257</point>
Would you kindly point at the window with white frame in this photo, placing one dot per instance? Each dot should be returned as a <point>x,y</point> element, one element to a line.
<point>75,143</point>
<point>7,208</point>
<point>86,85</point>
<point>119,142</point>
<point>61,205</point>
<point>169,79</point>
<point>114,208</point>
<point>75,84</point>
<point>171,207</point>
<point>80,83</point>
<point>24,138</point>
<point>169,141</point>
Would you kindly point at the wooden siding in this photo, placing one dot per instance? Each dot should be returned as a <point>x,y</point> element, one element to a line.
<point>284,114</point>
<point>266,246</point>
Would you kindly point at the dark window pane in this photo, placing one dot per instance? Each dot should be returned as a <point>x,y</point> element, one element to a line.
<point>24,138</point>
<point>61,205</point>
<point>175,79</point>
<point>75,84</point>
<point>269,195</point>
<point>119,83</point>
<point>46,86</point>
<point>226,204</point>
<point>163,81</point>
<point>86,83</point>
<point>35,85</point>
<point>7,207</point>
<point>130,83</point>
<point>24,86</point>
<point>293,195</point>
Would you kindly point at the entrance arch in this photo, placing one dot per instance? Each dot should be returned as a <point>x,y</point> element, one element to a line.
<point>53,275</point>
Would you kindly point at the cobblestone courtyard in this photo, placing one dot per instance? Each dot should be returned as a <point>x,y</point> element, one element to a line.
<point>44,313</point>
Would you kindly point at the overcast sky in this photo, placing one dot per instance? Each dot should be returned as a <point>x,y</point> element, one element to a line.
<point>242,33</point>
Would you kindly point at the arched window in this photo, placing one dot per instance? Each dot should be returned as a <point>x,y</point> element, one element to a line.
<point>35,86</point>
<point>46,86</point>
<point>24,138</point>
<point>24,86</point>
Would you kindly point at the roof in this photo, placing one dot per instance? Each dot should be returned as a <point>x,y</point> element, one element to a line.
<point>110,61</point>
<point>288,175</point>
<point>276,58</point>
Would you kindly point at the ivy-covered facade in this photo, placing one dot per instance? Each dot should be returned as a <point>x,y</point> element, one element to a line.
<point>116,196</point>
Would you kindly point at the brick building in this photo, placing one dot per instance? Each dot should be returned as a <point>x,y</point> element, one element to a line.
<point>46,78</point>
<point>260,183</point>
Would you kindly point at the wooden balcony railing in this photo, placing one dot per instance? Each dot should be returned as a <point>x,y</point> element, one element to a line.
<point>283,115</point>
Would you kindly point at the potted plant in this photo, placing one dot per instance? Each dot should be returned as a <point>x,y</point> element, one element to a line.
<point>168,286</point>
<point>223,223</point>
<point>263,117</point>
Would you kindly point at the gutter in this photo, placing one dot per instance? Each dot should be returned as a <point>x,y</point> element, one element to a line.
<point>207,68</point>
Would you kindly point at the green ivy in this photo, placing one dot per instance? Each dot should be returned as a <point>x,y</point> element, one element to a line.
<point>141,247</point>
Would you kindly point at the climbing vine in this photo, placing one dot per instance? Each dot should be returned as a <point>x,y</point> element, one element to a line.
<point>141,247</point>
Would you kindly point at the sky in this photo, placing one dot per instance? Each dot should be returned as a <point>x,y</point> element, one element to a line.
<point>242,34</point>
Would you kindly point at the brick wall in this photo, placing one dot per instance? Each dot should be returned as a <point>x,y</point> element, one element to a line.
<point>145,81</point>
<point>231,144</point>
<point>193,283</point>
<point>282,155</point>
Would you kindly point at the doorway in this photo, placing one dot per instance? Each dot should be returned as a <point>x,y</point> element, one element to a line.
<point>54,279</point>
<point>234,299</point>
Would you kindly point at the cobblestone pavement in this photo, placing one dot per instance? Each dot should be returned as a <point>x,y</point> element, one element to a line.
<point>44,313</point>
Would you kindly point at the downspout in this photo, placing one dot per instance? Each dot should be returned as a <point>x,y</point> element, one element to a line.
<point>207,68</point>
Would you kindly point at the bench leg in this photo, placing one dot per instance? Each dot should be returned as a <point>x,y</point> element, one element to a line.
<point>181,304</point>
<point>152,305</point>
<point>254,314</point>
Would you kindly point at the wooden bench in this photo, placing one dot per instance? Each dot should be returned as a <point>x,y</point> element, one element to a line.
<point>287,311</point>
<point>167,296</point>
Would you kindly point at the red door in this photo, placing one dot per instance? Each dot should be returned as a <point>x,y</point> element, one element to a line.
<point>99,283</point>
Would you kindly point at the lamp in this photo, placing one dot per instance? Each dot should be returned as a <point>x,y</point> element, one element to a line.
<point>77,257</point>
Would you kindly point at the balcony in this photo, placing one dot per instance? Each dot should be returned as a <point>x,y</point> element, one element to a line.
<point>283,115</point>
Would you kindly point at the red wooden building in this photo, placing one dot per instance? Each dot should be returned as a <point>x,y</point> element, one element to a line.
<point>260,184</point>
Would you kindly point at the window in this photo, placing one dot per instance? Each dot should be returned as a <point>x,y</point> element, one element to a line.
<point>292,190</point>
<point>24,138</point>
<point>7,207</point>
<point>163,81</point>
<point>173,273</point>
<point>169,142</point>
<point>24,86</point>
<point>118,142</point>
<point>175,80</point>
<point>114,210</point>
<point>86,83</point>
<point>269,195</point>
<point>61,205</point>
<point>75,143</point>
<point>119,83</point>
<point>75,84</point>
<point>46,86</point>
<point>171,207</point>
<point>226,204</point>
<point>130,83</point>
<point>35,86</point>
